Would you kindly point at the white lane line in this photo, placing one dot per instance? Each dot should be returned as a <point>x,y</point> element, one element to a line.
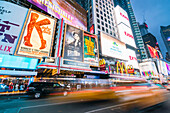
<point>47,105</point>
<point>109,107</point>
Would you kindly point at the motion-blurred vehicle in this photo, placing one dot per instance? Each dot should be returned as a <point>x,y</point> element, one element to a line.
<point>4,88</point>
<point>166,85</point>
<point>138,94</point>
<point>38,89</point>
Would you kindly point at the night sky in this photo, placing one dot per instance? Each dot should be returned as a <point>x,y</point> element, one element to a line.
<point>155,12</point>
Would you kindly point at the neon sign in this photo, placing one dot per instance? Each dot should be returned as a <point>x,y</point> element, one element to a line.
<point>121,68</point>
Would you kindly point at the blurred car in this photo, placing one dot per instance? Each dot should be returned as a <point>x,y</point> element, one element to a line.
<point>166,85</point>
<point>38,89</point>
<point>139,95</point>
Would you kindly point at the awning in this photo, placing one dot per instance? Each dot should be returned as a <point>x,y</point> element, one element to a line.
<point>17,73</point>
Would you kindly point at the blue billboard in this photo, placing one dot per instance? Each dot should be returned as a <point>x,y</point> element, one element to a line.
<point>17,62</point>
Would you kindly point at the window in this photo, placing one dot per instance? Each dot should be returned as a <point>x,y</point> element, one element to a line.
<point>97,10</point>
<point>112,24</point>
<point>108,17</point>
<point>109,21</point>
<point>106,25</point>
<point>98,26</point>
<point>97,15</point>
<point>102,17</point>
<point>107,12</point>
<point>110,27</point>
<point>102,28</point>
<point>101,12</point>
<point>102,23</point>
<point>105,20</point>
<point>98,21</point>
<point>106,30</point>
<point>104,6</point>
<point>110,33</point>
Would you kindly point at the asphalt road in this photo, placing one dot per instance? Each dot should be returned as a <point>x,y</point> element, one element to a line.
<point>71,105</point>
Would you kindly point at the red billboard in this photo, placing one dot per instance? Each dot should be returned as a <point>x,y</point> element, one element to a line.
<point>153,52</point>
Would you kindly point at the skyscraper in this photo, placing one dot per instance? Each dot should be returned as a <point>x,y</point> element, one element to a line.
<point>165,40</point>
<point>126,5</point>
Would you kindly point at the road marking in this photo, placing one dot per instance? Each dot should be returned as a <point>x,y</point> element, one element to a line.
<point>119,105</point>
<point>47,105</point>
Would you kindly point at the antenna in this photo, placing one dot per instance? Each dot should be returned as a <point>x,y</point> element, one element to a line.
<point>144,19</point>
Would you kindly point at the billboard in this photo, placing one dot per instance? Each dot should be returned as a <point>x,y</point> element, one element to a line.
<point>91,49</point>
<point>126,35</point>
<point>153,52</point>
<point>10,26</point>
<point>168,68</point>
<point>112,47</point>
<point>132,59</point>
<point>73,49</point>
<point>148,69</point>
<point>17,62</point>
<point>163,67</point>
<point>37,36</point>
<point>69,10</point>
<point>121,16</point>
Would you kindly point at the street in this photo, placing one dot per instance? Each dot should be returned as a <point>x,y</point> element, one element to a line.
<point>71,105</point>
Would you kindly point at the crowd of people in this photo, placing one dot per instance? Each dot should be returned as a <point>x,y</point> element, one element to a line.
<point>13,85</point>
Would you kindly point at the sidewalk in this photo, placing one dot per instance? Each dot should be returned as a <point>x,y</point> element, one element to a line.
<point>12,95</point>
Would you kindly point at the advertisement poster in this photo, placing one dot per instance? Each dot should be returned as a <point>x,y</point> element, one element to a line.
<point>132,59</point>
<point>90,49</point>
<point>153,52</point>
<point>168,68</point>
<point>69,10</point>
<point>73,44</point>
<point>163,68</point>
<point>10,26</point>
<point>148,69</point>
<point>121,16</point>
<point>112,47</point>
<point>126,35</point>
<point>37,37</point>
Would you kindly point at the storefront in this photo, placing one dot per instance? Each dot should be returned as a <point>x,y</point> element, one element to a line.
<point>16,72</point>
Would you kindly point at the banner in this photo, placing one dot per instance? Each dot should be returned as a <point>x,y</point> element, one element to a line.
<point>37,37</point>
<point>69,10</point>
<point>126,35</point>
<point>112,47</point>
<point>153,52</point>
<point>90,49</point>
<point>73,49</point>
<point>12,18</point>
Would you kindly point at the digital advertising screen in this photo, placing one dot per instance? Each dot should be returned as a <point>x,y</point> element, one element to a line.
<point>153,52</point>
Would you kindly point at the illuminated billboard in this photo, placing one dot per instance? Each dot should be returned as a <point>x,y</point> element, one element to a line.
<point>91,49</point>
<point>126,35</point>
<point>37,36</point>
<point>69,10</point>
<point>10,26</point>
<point>132,59</point>
<point>153,52</point>
<point>73,49</point>
<point>112,47</point>
<point>17,62</point>
<point>121,16</point>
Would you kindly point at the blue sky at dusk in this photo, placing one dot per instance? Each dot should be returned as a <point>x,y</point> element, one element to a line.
<point>156,13</point>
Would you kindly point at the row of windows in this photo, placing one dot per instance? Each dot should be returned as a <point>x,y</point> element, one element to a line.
<point>106,30</point>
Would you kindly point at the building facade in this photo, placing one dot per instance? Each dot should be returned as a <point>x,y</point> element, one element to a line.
<point>165,40</point>
<point>126,5</point>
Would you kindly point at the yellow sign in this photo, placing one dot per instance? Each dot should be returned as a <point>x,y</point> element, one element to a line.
<point>54,71</point>
<point>121,68</point>
<point>90,47</point>
<point>101,62</point>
